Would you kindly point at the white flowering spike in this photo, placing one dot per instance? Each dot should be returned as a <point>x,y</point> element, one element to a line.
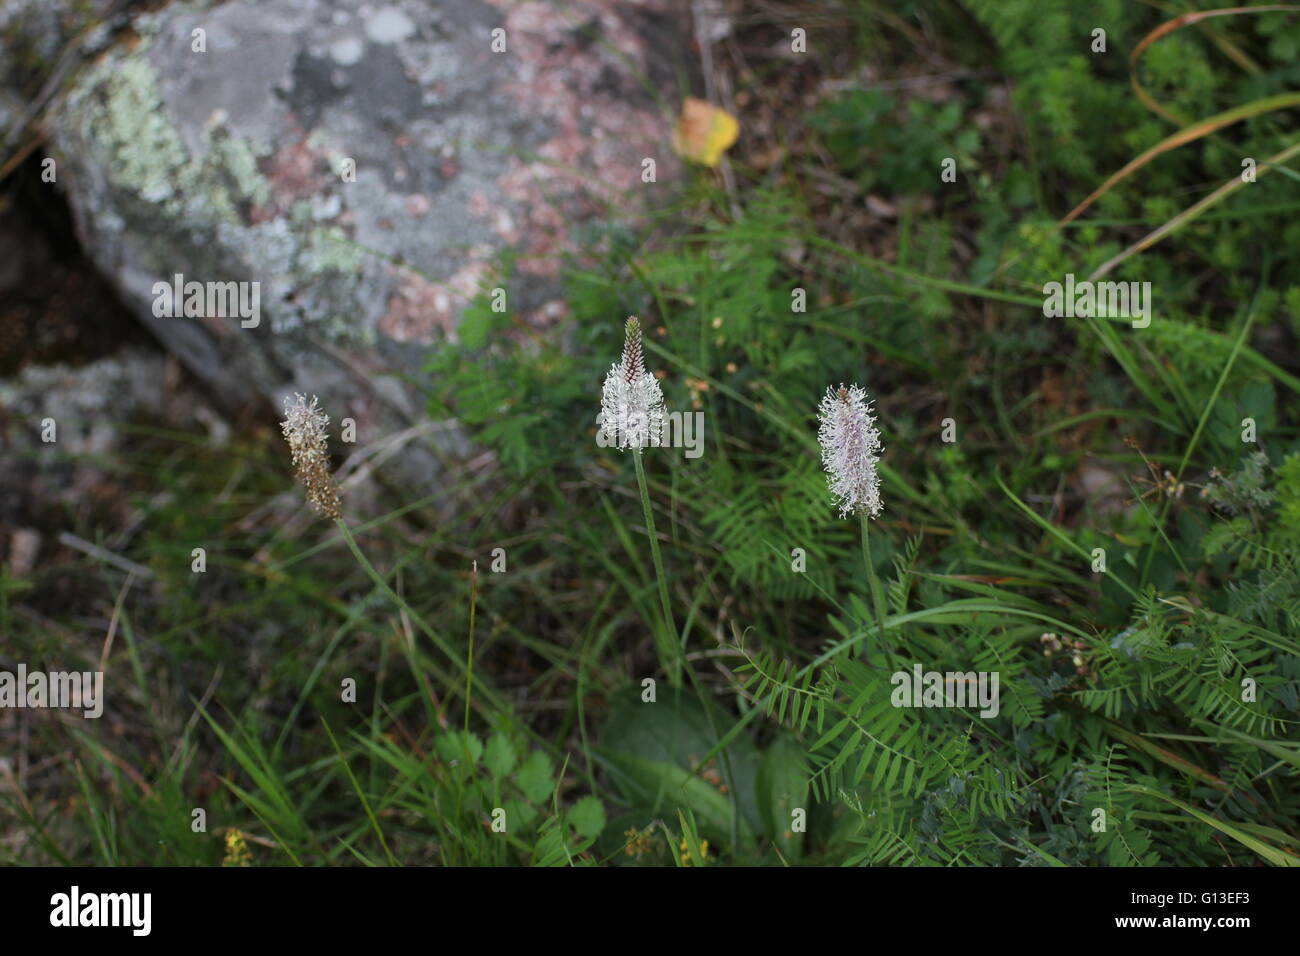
<point>304,429</point>
<point>631,404</point>
<point>850,450</point>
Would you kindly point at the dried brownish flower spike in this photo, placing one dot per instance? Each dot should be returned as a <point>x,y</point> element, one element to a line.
<point>304,429</point>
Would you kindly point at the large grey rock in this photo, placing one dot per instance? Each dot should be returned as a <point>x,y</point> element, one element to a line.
<point>64,450</point>
<point>225,165</point>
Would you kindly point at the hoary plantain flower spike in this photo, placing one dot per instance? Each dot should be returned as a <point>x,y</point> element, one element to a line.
<point>304,429</point>
<point>631,403</point>
<point>850,450</point>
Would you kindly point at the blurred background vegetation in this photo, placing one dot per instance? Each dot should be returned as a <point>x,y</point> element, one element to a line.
<point>522,689</point>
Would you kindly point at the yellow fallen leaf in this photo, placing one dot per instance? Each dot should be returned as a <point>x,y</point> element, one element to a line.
<point>704,132</point>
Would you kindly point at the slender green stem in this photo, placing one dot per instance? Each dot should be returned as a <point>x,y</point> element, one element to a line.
<point>671,656</point>
<point>1200,426</point>
<point>877,593</point>
<point>365,804</point>
<point>414,615</point>
<point>469,656</point>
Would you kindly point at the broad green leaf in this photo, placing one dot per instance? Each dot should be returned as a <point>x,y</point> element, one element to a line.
<point>782,789</point>
<point>499,755</point>
<point>535,777</point>
<point>587,816</point>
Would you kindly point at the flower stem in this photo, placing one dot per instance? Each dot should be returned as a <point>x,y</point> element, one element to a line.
<point>670,655</point>
<point>414,615</point>
<point>469,657</point>
<point>877,593</point>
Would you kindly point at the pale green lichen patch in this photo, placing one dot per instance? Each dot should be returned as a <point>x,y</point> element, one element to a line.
<point>127,122</point>
<point>119,117</point>
<point>237,163</point>
<point>327,252</point>
<point>329,249</point>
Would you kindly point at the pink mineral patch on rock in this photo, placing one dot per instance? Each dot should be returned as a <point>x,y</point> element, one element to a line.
<point>549,314</point>
<point>594,157</point>
<point>421,307</point>
<point>294,171</point>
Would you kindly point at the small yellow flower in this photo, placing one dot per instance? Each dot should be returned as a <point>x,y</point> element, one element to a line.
<point>638,843</point>
<point>686,851</point>
<point>237,852</point>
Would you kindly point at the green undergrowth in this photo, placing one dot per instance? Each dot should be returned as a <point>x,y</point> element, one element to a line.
<point>1104,516</point>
